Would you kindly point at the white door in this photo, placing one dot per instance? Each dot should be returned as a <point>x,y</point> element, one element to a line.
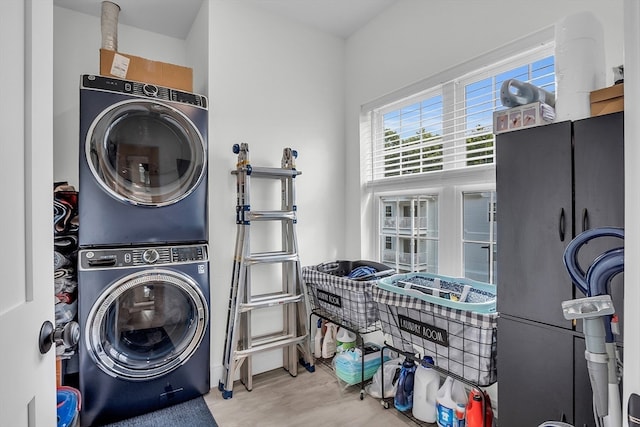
<point>27,395</point>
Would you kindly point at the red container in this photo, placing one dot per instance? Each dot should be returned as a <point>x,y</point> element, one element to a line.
<point>474,410</point>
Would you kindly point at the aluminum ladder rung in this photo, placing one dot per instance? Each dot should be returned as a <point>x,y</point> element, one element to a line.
<point>270,300</point>
<point>270,343</point>
<point>271,257</point>
<point>263,172</point>
<point>270,215</point>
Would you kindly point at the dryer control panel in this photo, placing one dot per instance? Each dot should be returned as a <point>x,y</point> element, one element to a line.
<point>145,90</point>
<point>95,259</point>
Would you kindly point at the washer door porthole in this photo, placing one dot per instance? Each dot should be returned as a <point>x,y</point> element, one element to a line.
<point>146,153</point>
<point>146,324</point>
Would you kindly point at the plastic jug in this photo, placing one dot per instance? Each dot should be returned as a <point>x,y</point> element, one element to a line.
<point>474,410</point>
<point>403,400</point>
<point>449,395</point>
<point>425,388</point>
<point>317,351</point>
<point>345,340</point>
<point>329,341</point>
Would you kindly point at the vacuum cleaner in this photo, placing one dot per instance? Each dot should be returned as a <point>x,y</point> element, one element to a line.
<point>596,311</point>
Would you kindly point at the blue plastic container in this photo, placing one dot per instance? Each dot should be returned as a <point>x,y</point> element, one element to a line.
<point>348,365</point>
<point>452,292</point>
<point>68,404</point>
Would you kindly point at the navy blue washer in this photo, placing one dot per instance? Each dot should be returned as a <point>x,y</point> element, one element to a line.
<point>144,321</point>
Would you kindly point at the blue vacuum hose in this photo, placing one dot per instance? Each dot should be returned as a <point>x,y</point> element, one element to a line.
<point>581,279</point>
<point>600,273</point>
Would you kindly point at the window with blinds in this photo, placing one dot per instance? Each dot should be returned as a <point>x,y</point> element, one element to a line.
<point>449,126</point>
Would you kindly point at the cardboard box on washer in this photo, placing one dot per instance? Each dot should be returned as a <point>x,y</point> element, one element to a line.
<point>130,67</point>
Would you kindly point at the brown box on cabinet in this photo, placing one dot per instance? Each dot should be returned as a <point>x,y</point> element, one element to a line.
<point>608,100</point>
<point>130,67</point>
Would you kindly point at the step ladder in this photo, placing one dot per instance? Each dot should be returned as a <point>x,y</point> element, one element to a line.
<point>293,339</point>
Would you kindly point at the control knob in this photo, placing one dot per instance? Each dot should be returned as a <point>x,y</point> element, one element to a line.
<point>150,90</point>
<point>150,256</point>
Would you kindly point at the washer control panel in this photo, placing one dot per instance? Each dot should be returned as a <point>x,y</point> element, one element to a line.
<point>145,90</point>
<point>94,259</point>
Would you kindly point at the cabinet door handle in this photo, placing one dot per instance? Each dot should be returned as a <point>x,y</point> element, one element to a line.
<point>561,225</point>
<point>585,219</point>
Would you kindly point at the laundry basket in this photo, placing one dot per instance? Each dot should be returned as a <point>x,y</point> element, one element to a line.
<point>341,291</point>
<point>460,341</point>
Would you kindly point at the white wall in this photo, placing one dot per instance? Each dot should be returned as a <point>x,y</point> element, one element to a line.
<point>414,39</point>
<point>274,84</point>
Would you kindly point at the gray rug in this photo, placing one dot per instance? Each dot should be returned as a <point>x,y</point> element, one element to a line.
<point>192,413</point>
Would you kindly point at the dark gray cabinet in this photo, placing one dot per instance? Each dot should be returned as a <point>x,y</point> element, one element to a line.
<point>599,190</point>
<point>535,379</point>
<point>552,183</point>
<point>534,188</point>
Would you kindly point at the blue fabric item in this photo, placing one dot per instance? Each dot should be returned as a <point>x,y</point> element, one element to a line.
<point>362,271</point>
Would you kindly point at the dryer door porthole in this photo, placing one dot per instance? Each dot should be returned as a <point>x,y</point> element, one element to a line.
<point>146,324</point>
<point>146,153</point>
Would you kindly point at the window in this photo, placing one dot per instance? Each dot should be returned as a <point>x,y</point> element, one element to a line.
<point>479,235</point>
<point>410,233</point>
<point>430,166</point>
<point>447,128</point>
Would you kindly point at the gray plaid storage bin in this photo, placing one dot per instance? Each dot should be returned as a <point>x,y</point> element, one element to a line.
<point>460,341</point>
<point>343,300</point>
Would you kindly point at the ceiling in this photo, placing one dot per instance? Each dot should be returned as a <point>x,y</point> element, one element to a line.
<point>174,18</point>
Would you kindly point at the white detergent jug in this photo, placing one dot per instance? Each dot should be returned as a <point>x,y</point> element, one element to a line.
<point>425,389</point>
<point>449,396</point>
<point>345,340</point>
<point>329,341</point>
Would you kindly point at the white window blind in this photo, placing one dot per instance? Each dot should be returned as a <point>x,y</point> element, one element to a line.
<point>448,126</point>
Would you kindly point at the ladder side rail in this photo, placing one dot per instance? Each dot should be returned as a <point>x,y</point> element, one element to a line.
<point>304,307</point>
<point>233,292</point>
<point>234,334</point>
<point>232,318</point>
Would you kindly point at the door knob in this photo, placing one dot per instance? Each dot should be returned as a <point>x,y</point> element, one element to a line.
<point>45,340</point>
<point>68,335</point>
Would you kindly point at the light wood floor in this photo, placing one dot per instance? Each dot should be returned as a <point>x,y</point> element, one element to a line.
<point>310,399</point>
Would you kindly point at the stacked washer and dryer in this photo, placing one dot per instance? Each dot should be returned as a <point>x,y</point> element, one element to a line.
<point>143,263</point>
